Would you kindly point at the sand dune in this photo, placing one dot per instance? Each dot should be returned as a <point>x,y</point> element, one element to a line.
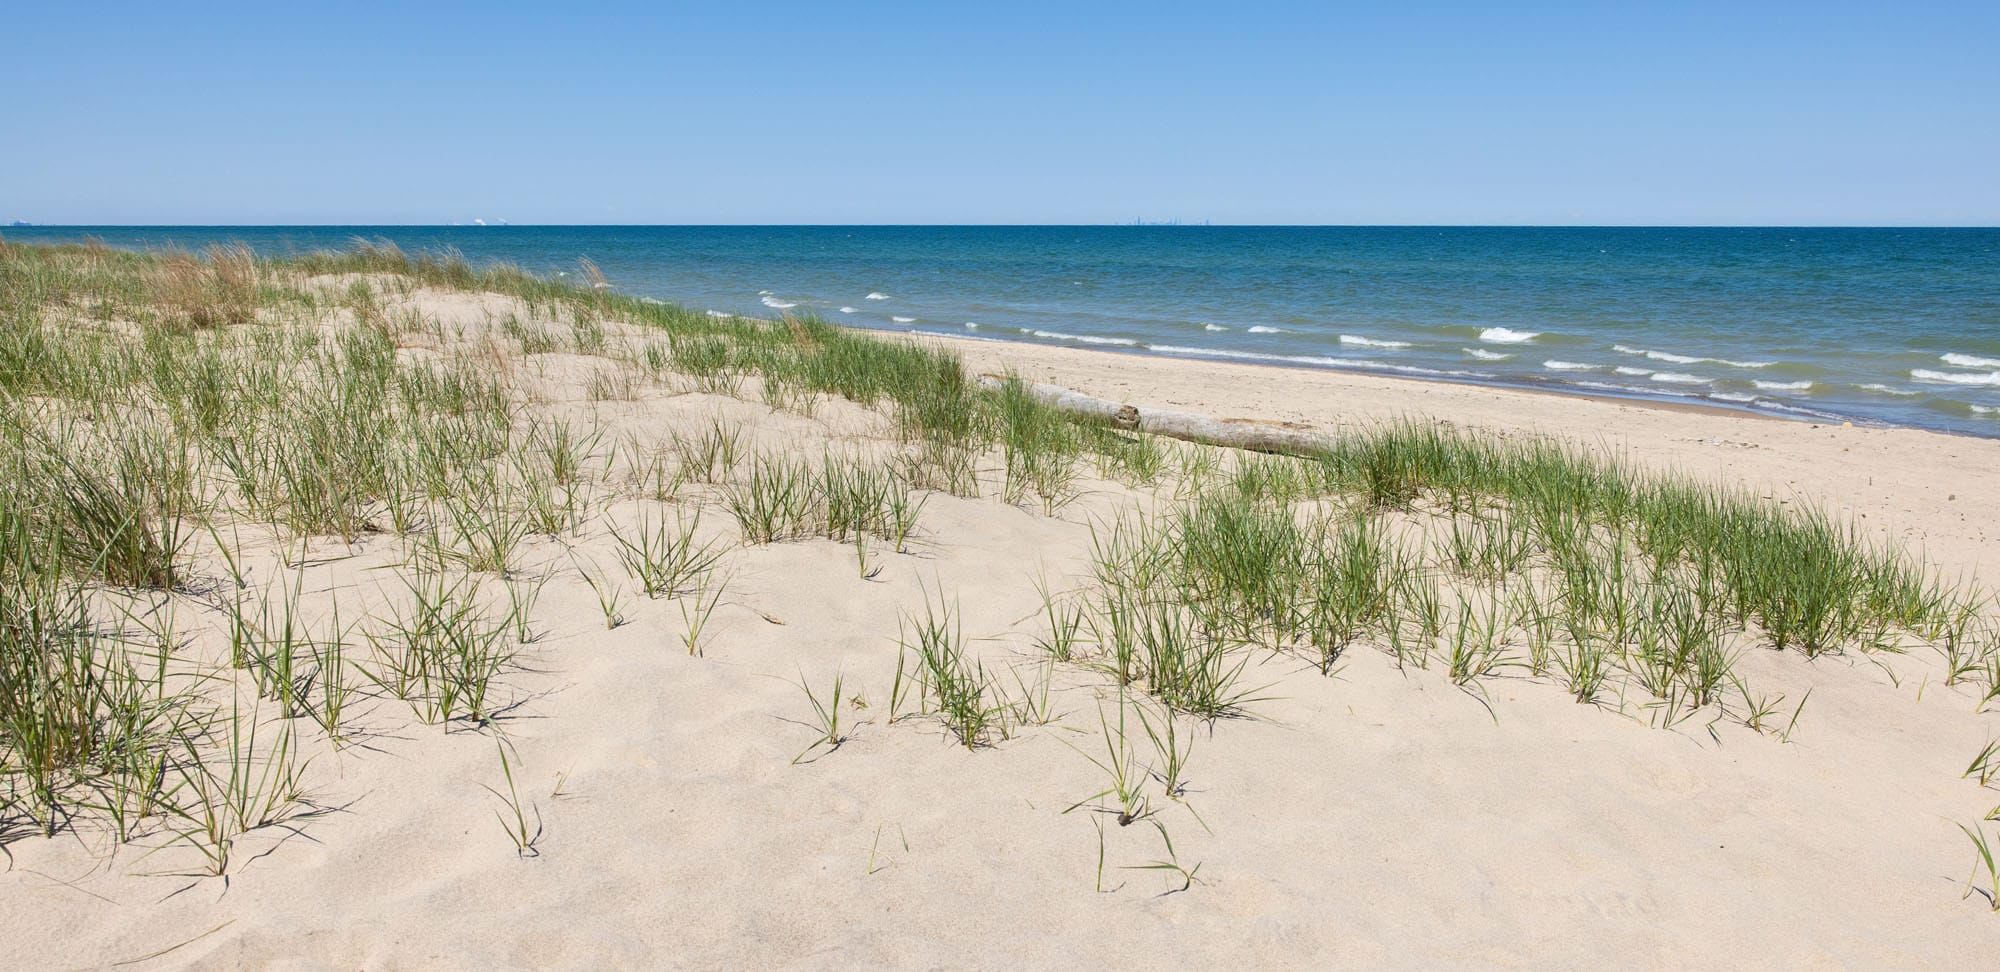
<point>1380,816</point>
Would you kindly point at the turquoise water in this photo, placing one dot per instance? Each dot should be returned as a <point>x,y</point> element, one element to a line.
<point>1892,326</point>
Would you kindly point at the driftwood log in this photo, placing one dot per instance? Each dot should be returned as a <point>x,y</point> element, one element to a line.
<point>1255,435</point>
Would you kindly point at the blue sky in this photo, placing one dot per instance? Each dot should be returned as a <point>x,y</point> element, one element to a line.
<point>943,112</point>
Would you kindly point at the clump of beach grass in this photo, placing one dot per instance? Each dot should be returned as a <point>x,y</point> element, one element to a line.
<point>215,289</point>
<point>948,682</point>
<point>665,558</point>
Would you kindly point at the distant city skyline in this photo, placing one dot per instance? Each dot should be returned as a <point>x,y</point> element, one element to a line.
<point>1258,113</point>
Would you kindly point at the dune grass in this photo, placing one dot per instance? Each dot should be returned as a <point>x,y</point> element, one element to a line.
<point>1560,564</point>
<point>149,402</point>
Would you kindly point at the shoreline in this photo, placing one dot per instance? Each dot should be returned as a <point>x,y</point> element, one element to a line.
<point>1553,388</point>
<point>1911,484</point>
<point>1556,388</point>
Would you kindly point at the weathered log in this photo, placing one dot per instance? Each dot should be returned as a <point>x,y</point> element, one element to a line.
<point>1255,435</point>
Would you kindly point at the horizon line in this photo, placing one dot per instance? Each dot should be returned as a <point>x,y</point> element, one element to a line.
<point>1118,225</point>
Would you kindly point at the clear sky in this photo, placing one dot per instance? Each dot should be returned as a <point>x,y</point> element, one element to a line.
<point>1013,112</point>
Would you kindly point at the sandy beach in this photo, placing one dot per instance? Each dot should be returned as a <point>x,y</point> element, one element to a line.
<point>652,781</point>
<point>1929,489</point>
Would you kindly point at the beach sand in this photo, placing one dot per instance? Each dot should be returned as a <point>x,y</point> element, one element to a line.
<point>1378,818</point>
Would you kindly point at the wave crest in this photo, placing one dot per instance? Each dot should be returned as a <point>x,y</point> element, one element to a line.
<point>1672,358</point>
<point>1086,338</point>
<point>1367,342</point>
<point>1955,377</point>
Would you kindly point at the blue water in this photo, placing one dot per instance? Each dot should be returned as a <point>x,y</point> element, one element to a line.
<point>1892,326</point>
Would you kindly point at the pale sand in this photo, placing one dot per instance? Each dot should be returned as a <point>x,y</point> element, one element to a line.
<point>1375,819</point>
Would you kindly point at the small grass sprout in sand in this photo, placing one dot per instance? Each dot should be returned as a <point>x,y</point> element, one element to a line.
<point>610,598</point>
<point>1985,767</point>
<point>825,720</point>
<point>525,837</point>
<point>1985,865</point>
<point>1123,797</point>
<point>699,606</point>
<point>1170,751</point>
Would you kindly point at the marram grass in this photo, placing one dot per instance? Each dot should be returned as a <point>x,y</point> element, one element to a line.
<point>148,401</point>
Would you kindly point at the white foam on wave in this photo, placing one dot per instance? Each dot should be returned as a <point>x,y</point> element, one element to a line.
<point>1485,355</point>
<point>1085,338</point>
<point>1359,364</point>
<point>1969,361</point>
<point>1678,378</point>
<point>1503,335</point>
<point>848,310</point>
<point>652,301</point>
<point>972,325</point>
<point>1886,390</point>
<point>1366,342</point>
<point>1266,329</point>
<point>1985,409</point>
<point>1783,385</point>
<point>877,295</point>
<point>1433,372</point>
<point>776,304</point>
<point>956,336</point>
<point>1778,406</point>
<point>718,315</point>
<point>1568,366</point>
<point>1731,397</point>
<point>1216,353</point>
<point>1634,372</point>
<point>1672,358</point>
<point>1629,390</point>
<point>904,320</point>
<point>1954,377</point>
<point>1213,327</point>
<point>1443,373</point>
